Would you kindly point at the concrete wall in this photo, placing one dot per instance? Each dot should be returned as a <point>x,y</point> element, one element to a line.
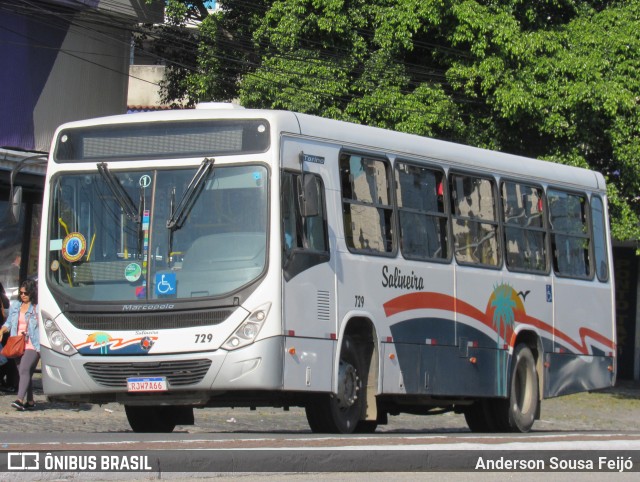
<point>144,84</point>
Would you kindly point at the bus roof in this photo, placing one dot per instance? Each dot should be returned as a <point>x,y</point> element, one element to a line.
<point>385,141</point>
<point>452,154</point>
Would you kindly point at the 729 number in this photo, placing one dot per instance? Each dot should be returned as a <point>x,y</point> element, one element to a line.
<point>204,338</point>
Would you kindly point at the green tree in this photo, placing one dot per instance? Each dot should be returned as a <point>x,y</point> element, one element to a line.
<point>176,42</point>
<point>554,79</point>
<point>568,94</point>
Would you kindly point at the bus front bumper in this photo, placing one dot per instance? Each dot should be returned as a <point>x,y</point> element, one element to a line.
<point>256,367</point>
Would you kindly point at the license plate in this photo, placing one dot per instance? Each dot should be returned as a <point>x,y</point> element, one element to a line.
<point>147,384</point>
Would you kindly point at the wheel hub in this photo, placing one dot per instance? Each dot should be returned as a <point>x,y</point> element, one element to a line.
<point>348,386</point>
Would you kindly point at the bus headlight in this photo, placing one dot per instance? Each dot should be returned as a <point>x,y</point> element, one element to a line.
<point>248,329</point>
<point>59,343</point>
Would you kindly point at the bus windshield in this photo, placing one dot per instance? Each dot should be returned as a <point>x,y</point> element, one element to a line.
<point>113,234</point>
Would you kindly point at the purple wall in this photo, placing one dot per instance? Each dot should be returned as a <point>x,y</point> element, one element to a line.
<point>29,50</point>
<point>64,60</point>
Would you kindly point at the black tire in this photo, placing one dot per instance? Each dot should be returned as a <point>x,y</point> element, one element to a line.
<point>366,426</point>
<point>518,412</point>
<point>341,412</point>
<point>479,417</point>
<point>152,419</point>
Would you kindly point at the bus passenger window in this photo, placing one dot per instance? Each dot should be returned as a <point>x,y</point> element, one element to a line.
<point>366,204</point>
<point>475,228</point>
<point>599,238</point>
<point>423,220</point>
<point>524,232</point>
<point>569,234</point>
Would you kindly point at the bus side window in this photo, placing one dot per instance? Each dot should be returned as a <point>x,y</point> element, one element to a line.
<point>423,221</point>
<point>524,232</point>
<point>302,232</point>
<point>313,221</point>
<point>599,238</point>
<point>366,204</point>
<point>569,233</point>
<point>290,218</point>
<point>475,227</point>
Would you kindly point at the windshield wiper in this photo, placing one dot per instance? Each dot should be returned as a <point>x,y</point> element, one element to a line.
<point>127,205</point>
<point>190,196</point>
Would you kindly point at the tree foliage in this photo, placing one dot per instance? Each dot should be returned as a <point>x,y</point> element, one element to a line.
<point>553,79</point>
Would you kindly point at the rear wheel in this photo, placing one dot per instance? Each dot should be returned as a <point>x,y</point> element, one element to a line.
<point>518,412</point>
<point>342,412</point>
<point>153,419</point>
<point>479,416</point>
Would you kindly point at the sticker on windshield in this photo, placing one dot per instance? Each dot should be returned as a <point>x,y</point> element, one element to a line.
<point>73,247</point>
<point>257,177</point>
<point>141,292</point>
<point>145,220</point>
<point>165,284</point>
<point>145,181</point>
<point>132,272</point>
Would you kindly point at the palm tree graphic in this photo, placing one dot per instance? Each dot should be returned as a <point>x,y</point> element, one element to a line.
<point>503,317</point>
<point>103,340</point>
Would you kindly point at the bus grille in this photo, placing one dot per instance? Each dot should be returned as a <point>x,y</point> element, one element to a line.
<point>147,321</point>
<point>178,373</point>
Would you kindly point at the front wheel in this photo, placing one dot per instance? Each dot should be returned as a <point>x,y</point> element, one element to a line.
<point>366,426</point>
<point>518,412</point>
<point>150,419</point>
<point>341,412</point>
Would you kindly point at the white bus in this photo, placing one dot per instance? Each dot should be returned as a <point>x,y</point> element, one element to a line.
<point>245,258</point>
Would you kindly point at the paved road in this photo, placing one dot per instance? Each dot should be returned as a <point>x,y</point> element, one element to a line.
<point>592,421</point>
<point>616,410</point>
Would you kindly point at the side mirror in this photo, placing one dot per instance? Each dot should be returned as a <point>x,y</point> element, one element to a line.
<point>310,196</point>
<point>16,205</point>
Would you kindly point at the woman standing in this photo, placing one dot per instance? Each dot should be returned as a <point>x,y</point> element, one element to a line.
<point>23,318</point>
